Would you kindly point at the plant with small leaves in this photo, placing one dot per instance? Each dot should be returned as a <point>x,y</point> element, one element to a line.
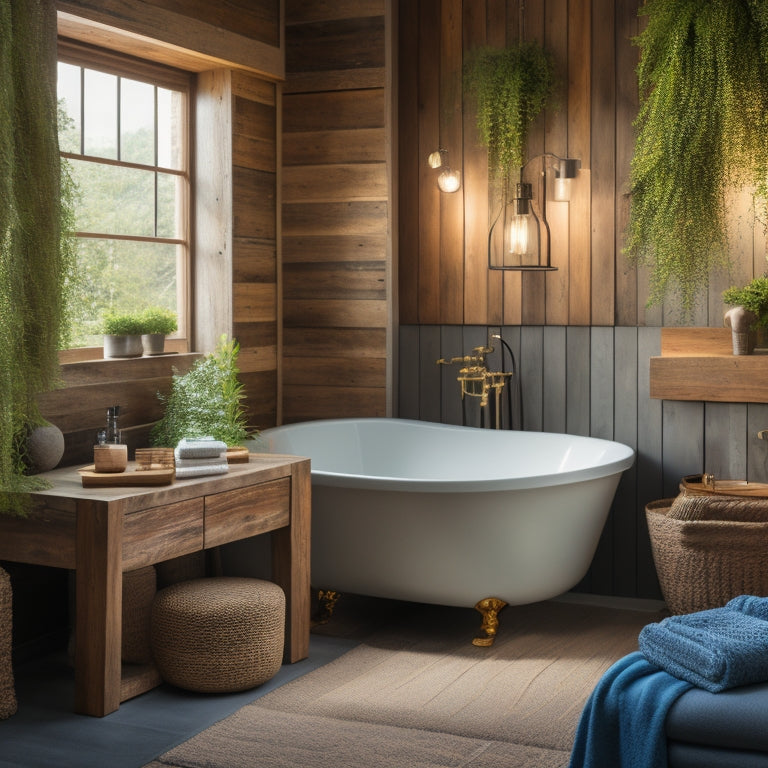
<point>511,87</point>
<point>753,297</point>
<point>127,324</point>
<point>158,320</point>
<point>207,401</point>
<point>701,133</point>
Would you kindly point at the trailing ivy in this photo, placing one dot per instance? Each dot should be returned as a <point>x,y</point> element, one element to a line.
<point>512,86</point>
<point>702,130</point>
<point>35,260</point>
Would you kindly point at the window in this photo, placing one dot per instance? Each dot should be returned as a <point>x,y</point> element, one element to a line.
<point>124,134</point>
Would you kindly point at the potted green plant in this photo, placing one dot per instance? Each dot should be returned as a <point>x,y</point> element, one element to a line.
<point>157,323</point>
<point>122,335</point>
<point>207,401</point>
<point>748,317</point>
<point>511,86</point>
<point>698,138</point>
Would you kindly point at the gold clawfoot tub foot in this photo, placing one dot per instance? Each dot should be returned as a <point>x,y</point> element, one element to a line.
<point>489,608</point>
<point>327,598</point>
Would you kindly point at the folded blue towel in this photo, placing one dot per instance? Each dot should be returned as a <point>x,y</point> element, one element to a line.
<point>715,649</point>
<point>622,724</point>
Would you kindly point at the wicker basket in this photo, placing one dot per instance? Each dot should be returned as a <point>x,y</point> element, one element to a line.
<point>221,634</point>
<point>703,563</point>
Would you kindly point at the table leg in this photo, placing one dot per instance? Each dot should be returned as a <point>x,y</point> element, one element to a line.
<point>98,598</point>
<point>290,565</point>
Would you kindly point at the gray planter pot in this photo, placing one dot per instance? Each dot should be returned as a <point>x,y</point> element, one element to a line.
<point>153,343</point>
<point>122,346</point>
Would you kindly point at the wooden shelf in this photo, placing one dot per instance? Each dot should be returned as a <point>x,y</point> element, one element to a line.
<point>699,364</point>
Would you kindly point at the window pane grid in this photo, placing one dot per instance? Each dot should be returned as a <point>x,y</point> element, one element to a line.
<point>124,128</point>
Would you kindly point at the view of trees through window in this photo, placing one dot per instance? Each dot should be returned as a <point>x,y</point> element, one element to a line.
<point>124,142</point>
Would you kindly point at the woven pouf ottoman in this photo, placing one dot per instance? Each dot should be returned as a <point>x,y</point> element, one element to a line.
<point>216,635</point>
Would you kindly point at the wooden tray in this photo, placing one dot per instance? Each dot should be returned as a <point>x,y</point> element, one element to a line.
<point>696,484</point>
<point>130,477</point>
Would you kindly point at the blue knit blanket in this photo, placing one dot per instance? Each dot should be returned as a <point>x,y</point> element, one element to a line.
<point>622,724</point>
<point>715,649</point>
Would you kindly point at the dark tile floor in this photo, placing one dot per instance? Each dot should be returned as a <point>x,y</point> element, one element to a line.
<point>46,733</point>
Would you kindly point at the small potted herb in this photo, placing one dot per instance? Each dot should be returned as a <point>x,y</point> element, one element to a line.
<point>157,323</point>
<point>749,313</point>
<point>122,335</point>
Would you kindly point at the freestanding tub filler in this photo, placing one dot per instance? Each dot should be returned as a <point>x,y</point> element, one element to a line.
<point>461,516</point>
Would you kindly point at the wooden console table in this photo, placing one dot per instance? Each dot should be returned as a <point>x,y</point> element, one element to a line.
<point>101,532</point>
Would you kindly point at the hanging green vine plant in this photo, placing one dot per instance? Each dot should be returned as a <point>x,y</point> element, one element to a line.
<point>702,131</point>
<point>36,259</point>
<point>511,86</point>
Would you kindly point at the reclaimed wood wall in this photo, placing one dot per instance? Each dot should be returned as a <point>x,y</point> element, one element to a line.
<point>336,212</point>
<point>443,272</point>
<point>236,267</point>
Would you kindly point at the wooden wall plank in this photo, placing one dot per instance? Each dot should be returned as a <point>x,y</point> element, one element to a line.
<point>603,164</point>
<point>359,145</point>
<point>555,379</point>
<point>429,140</point>
<point>627,300</point>
<point>475,188</point>
<point>335,313</point>
<point>725,444</point>
<point>450,127</point>
<point>649,458</point>
<point>577,397</point>
<point>451,345</point>
<point>532,376</point>
<point>335,44</point>
<point>351,181</point>
<point>683,425</point>
<point>430,377</point>
<point>624,509</point>
<point>408,373</point>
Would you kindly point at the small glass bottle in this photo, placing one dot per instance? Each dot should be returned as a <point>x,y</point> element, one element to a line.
<point>112,433</point>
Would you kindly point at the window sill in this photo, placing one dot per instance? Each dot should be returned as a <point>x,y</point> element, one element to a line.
<point>699,364</point>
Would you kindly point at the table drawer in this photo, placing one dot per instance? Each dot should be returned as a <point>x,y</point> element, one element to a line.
<point>160,533</point>
<point>248,511</point>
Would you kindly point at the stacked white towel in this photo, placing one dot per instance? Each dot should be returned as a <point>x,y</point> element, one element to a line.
<point>200,456</point>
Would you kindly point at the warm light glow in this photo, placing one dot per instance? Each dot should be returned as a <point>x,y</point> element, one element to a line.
<point>449,180</point>
<point>518,235</point>
<point>435,159</point>
<point>562,191</point>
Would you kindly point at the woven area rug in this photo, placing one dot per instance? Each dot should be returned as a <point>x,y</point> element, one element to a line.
<point>417,693</point>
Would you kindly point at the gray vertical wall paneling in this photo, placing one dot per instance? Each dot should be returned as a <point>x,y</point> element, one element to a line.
<point>601,368</point>
<point>624,510</point>
<point>601,425</point>
<point>429,373</point>
<point>725,444</point>
<point>408,373</point>
<point>531,375</point>
<point>648,460</point>
<point>757,450</point>
<point>451,345</point>
<point>554,379</point>
<point>683,447</point>
<point>577,380</point>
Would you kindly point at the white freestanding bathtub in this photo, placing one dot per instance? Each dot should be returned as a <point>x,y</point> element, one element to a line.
<point>451,515</point>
